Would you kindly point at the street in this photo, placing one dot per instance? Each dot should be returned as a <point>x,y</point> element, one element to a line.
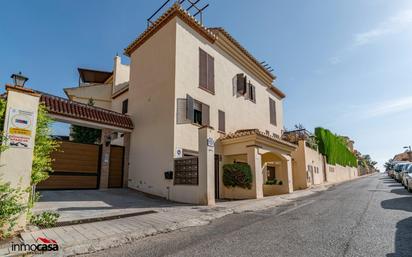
<point>366,217</point>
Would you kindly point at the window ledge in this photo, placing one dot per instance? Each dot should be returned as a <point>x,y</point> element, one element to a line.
<point>207,90</point>
<point>197,125</point>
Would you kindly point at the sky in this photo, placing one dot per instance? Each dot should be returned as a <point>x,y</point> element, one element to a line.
<point>344,65</point>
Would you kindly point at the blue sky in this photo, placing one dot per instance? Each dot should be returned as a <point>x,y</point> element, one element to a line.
<point>344,65</point>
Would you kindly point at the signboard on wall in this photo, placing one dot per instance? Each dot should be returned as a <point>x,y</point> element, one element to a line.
<point>20,128</point>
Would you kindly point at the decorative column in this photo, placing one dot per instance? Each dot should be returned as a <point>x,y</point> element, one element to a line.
<point>254,159</point>
<point>20,128</point>
<point>105,158</point>
<point>126,143</point>
<point>206,166</point>
<point>288,167</point>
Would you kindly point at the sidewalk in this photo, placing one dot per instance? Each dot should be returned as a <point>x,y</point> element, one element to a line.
<point>91,237</point>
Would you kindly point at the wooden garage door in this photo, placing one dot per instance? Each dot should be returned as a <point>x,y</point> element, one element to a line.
<point>75,166</point>
<point>116,166</point>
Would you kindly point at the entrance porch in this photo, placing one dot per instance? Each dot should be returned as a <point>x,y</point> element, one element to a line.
<point>268,157</point>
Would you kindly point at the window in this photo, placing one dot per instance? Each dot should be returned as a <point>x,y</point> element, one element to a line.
<point>125,104</point>
<point>272,109</point>
<point>241,84</point>
<point>222,125</point>
<point>196,111</point>
<point>271,173</point>
<point>206,71</point>
<point>251,92</point>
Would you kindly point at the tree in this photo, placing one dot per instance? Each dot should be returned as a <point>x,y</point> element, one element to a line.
<point>43,147</point>
<point>388,165</point>
<point>85,135</point>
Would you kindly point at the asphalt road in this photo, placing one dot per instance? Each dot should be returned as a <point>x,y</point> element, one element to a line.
<point>370,216</point>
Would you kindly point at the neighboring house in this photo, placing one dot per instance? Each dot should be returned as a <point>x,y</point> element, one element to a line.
<point>107,90</point>
<point>406,156</point>
<point>184,76</point>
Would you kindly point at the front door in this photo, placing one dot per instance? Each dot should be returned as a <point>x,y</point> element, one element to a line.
<point>216,176</point>
<point>116,166</point>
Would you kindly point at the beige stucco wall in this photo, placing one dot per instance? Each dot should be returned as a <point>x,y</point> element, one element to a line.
<point>315,159</point>
<point>299,170</point>
<point>340,173</point>
<point>152,82</point>
<point>101,94</point>
<point>16,162</point>
<point>117,105</point>
<point>121,73</point>
<point>240,113</point>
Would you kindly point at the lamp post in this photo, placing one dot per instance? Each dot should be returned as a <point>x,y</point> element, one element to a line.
<point>19,79</point>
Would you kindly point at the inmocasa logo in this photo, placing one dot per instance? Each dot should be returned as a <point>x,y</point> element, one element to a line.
<point>42,244</point>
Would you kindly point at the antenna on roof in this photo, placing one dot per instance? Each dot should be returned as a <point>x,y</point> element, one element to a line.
<point>191,4</point>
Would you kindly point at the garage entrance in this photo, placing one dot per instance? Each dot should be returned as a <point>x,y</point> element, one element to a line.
<point>77,166</point>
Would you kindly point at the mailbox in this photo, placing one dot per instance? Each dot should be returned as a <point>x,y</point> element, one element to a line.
<point>168,174</point>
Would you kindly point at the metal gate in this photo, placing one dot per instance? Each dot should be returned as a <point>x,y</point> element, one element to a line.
<point>75,166</point>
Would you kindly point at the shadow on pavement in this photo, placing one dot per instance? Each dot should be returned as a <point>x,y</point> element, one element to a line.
<point>403,236</point>
<point>401,191</point>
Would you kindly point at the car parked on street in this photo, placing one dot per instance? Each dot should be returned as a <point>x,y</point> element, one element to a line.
<point>398,169</point>
<point>403,172</point>
<point>407,176</point>
<point>391,171</point>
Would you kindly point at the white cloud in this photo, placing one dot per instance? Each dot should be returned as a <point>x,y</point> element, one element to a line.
<point>387,107</point>
<point>394,24</point>
<point>335,60</point>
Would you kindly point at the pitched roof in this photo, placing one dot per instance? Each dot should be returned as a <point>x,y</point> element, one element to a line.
<point>175,10</point>
<point>211,34</point>
<point>257,132</point>
<point>218,30</point>
<point>71,109</point>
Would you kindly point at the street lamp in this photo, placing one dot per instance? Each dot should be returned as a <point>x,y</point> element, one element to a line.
<point>19,79</point>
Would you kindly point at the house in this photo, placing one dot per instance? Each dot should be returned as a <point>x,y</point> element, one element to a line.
<point>184,76</point>
<point>198,100</point>
<point>108,90</point>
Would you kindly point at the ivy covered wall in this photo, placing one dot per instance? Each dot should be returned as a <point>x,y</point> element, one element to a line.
<point>334,148</point>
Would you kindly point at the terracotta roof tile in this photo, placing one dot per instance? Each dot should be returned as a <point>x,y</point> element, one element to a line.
<point>71,109</point>
<point>248,132</point>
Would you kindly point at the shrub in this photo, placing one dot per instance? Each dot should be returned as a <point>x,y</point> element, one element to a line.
<point>45,219</point>
<point>274,182</point>
<point>237,175</point>
<point>11,207</point>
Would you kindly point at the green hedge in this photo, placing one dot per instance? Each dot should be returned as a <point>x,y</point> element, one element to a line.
<point>237,174</point>
<point>334,148</point>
